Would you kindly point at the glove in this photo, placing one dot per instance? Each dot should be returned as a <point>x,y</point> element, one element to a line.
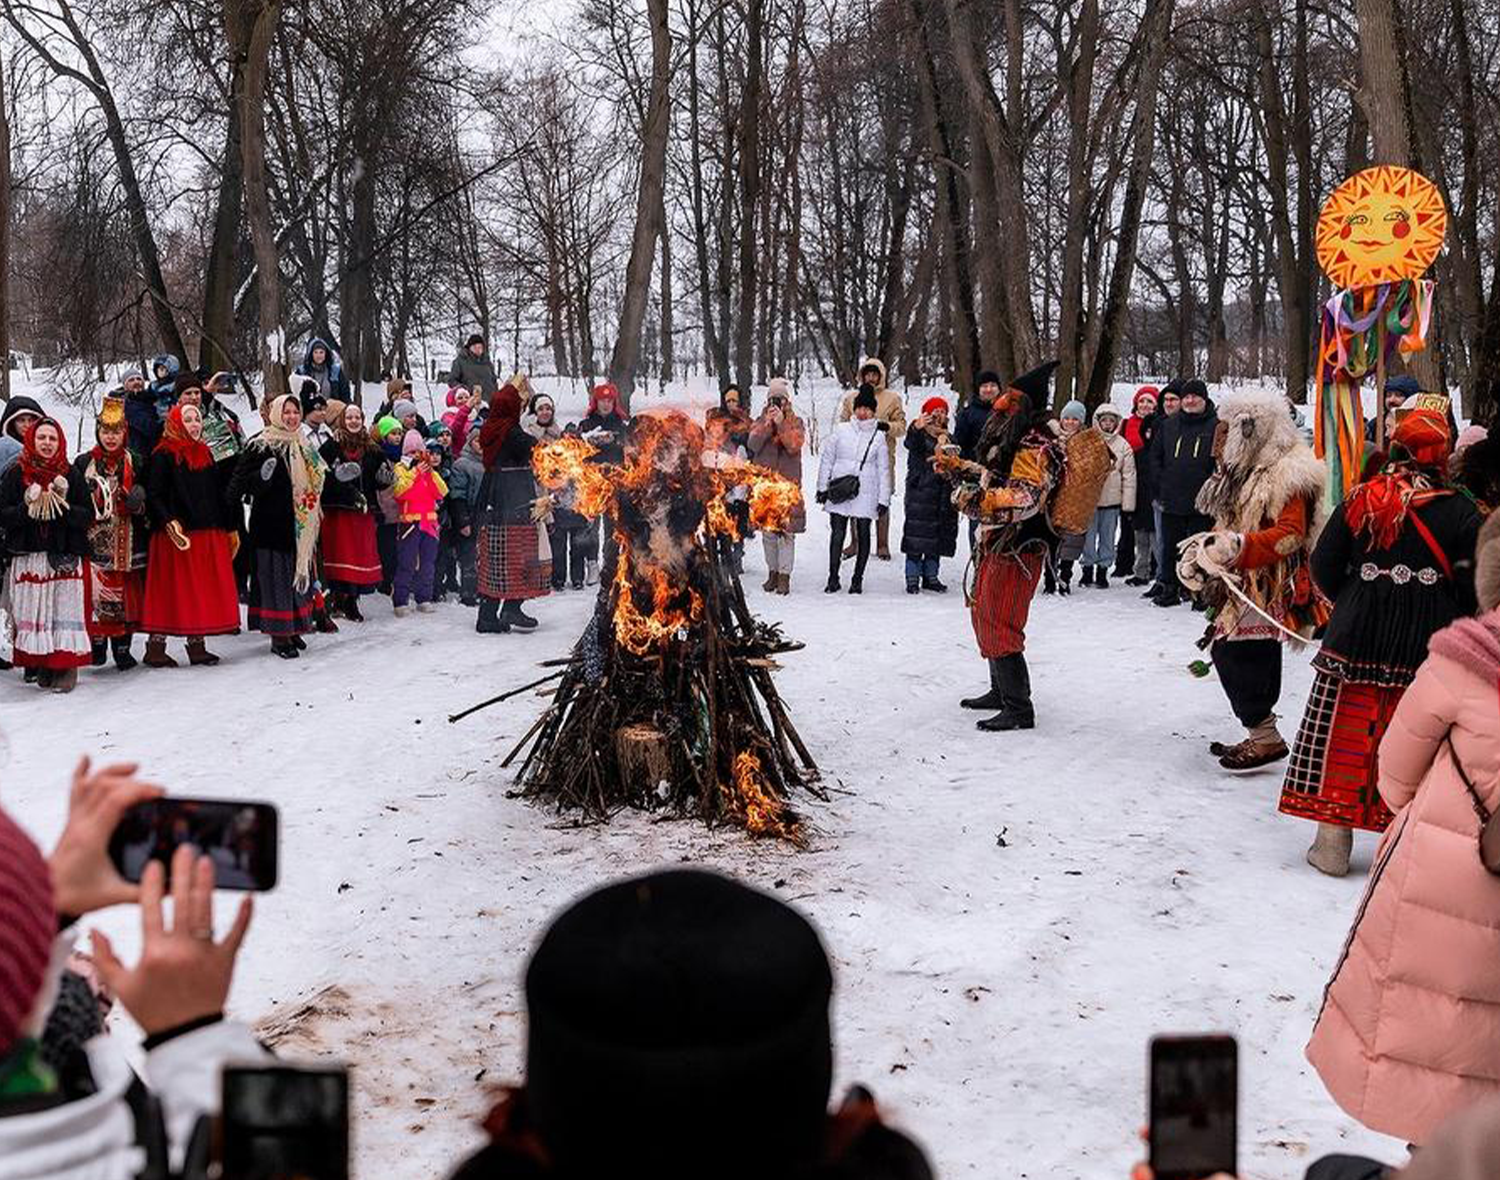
<point>177,536</point>
<point>33,493</point>
<point>267,469</point>
<point>60,485</point>
<point>345,472</point>
<point>135,499</point>
<point>1223,548</point>
<point>385,476</point>
<point>821,497</point>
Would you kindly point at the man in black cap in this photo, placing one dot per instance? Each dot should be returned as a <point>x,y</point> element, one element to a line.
<point>1181,458</point>
<point>677,1029</point>
<point>472,369</point>
<point>1023,460</point>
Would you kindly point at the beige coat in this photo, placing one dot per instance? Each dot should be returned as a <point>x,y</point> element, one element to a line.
<point>888,409</point>
<point>1410,1029</point>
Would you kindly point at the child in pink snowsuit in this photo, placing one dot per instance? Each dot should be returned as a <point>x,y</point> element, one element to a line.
<point>419,491</point>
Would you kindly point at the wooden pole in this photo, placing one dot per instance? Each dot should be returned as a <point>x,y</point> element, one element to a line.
<point>1380,380</point>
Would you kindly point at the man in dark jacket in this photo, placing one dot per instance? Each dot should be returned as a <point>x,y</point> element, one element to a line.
<point>473,369</point>
<point>1180,459</point>
<point>971,416</point>
<point>326,369</point>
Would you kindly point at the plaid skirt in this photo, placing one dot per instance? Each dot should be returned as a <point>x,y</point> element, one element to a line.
<point>1003,589</point>
<point>511,564</point>
<point>277,608</point>
<point>1332,774</point>
<point>48,613</point>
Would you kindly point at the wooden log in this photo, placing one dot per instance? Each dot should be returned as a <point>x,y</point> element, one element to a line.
<point>644,759</point>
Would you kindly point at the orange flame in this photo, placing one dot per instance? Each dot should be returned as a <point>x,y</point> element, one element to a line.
<point>754,801</point>
<point>564,463</point>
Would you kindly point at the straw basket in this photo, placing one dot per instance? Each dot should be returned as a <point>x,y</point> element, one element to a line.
<point>1089,464</point>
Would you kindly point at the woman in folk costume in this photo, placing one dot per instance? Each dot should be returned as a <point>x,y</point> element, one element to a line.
<point>282,476</point>
<point>116,569</point>
<point>190,581</point>
<point>1395,560</point>
<point>514,563</point>
<point>1023,462</point>
<point>45,513</point>
<point>1263,499</point>
<point>358,471</point>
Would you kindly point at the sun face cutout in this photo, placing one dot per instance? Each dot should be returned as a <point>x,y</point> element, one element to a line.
<point>1381,225</point>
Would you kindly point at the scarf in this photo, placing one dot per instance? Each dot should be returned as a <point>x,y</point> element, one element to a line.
<point>353,446</point>
<point>307,470</point>
<point>505,416</point>
<point>35,470</point>
<point>1379,506</point>
<point>110,477</point>
<point>192,452</point>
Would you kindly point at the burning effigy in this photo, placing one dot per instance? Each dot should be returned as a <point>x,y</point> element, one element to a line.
<point>667,702</point>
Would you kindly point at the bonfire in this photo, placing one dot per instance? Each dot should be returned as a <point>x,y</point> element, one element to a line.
<point>667,702</point>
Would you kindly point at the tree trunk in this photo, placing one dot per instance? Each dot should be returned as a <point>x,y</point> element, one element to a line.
<point>749,122</point>
<point>220,281</point>
<point>251,26</point>
<point>5,258</point>
<point>668,351</point>
<point>648,207</point>
<point>1070,305</point>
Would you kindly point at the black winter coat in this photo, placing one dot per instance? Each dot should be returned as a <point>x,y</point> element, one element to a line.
<point>273,524</point>
<point>1146,491</point>
<point>357,494</point>
<point>613,451</point>
<point>66,536</point>
<point>194,499</point>
<point>508,489</point>
<point>1380,628</point>
<point>1181,458</point>
<point>968,423</point>
<point>931,527</point>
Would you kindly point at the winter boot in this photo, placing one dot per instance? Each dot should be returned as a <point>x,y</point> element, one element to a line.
<point>41,677</point>
<point>156,653</point>
<point>351,609</point>
<point>426,608</point>
<point>1263,747</point>
<point>1330,850</point>
<point>1065,578</point>
<point>198,653</point>
<point>994,699</point>
<point>856,584</point>
<point>1168,598</point>
<point>1049,578</point>
<point>914,587</point>
<point>1015,688</point>
<point>119,647</point>
<point>590,571</point>
<point>401,611</point>
<point>99,652</point>
<point>64,680</point>
<point>883,537</point>
<point>783,583</point>
<point>769,585</point>
<point>284,649</point>
<point>518,620</point>
<point>1101,578</point>
<point>1088,576</point>
<point>934,585</point>
<point>490,622</point>
<point>1153,591</point>
<point>834,586</point>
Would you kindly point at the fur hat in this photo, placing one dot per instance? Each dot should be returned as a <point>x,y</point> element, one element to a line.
<point>1108,410</point>
<point>865,397</point>
<point>27,917</point>
<point>873,362</point>
<point>934,404</point>
<point>1487,564</point>
<point>184,382</point>
<point>403,408</point>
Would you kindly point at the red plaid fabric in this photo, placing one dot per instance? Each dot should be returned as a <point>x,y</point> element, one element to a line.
<point>1331,776</point>
<point>510,565</point>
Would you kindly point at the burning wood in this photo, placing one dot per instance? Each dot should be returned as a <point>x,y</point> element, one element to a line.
<point>667,702</point>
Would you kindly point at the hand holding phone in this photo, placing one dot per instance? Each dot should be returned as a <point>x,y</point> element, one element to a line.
<point>1194,1106</point>
<point>84,878</point>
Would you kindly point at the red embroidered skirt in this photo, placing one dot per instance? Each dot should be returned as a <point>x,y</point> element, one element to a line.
<point>191,592</point>
<point>116,599</point>
<point>1003,590</point>
<point>351,558</point>
<point>1331,776</point>
<point>48,611</point>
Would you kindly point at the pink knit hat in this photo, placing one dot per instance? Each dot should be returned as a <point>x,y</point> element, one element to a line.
<point>27,927</point>
<point>413,443</point>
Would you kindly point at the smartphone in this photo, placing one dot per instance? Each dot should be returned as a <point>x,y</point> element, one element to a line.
<point>284,1123</point>
<point>240,835</point>
<point>1194,1106</point>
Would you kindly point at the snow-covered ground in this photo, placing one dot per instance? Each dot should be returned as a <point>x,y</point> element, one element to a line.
<point>1011,916</point>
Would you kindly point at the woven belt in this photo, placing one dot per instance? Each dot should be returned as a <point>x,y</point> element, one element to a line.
<point>1400,574</point>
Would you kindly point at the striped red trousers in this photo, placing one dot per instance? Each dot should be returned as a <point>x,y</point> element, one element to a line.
<point>1003,589</point>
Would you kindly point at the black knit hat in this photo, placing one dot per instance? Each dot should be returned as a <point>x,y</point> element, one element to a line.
<point>1194,388</point>
<point>866,397</point>
<point>474,339</point>
<point>1174,387</point>
<point>185,382</point>
<point>988,377</point>
<point>666,1014</point>
<point>1037,384</point>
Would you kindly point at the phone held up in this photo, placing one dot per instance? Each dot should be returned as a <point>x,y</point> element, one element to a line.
<point>1194,1106</point>
<point>285,1122</point>
<point>240,836</point>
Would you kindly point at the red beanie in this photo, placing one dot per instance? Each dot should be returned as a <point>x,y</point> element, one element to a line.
<point>934,403</point>
<point>1144,391</point>
<point>27,928</point>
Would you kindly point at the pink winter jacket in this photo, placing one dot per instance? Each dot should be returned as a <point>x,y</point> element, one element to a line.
<point>1410,1028</point>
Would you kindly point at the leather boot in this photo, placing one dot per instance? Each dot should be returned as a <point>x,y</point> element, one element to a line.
<point>1088,576</point>
<point>994,699</point>
<point>517,619</point>
<point>489,618</point>
<point>883,536</point>
<point>1263,746</point>
<point>783,583</point>
<point>99,652</point>
<point>64,680</point>
<point>1015,687</point>
<point>120,649</point>
<point>198,653</point>
<point>156,653</point>
<point>771,582</point>
<point>1330,850</point>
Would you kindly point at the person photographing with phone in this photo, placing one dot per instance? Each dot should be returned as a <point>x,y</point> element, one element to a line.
<point>72,1108</point>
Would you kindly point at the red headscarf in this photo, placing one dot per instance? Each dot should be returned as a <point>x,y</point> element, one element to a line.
<point>1425,435</point>
<point>604,389</point>
<point>182,446</point>
<point>35,469</point>
<point>1379,506</point>
<point>504,416</point>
